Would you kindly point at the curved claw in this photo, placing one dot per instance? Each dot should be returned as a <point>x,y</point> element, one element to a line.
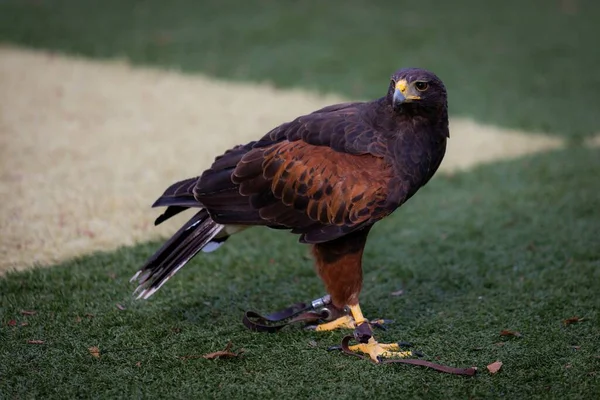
<point>381,323</point>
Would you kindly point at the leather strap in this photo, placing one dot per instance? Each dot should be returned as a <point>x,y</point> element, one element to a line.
<point>307,313</point>
<point>412,361</point>
<point>299,312</point>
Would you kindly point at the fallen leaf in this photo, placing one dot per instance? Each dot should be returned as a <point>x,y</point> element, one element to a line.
<point>138,364</point>
<point>312,343</point>
<point>94,351</point>
<point>35,342</point>
<point>500,344</point>
<point>78,319</point>
<point>112,275</point>
<point>575,347</point>
<point>494,367</point>
<point>572,320</point>
<point>25,312</point>
<point>568,365</point>
<point>120,307</point>
<point>12,322</point>
<point>397,293</point>
<point>176,330</point>
<point>223,353</point>
<point>24,323</point>
<point>89,315</point>
<point>506,332</point>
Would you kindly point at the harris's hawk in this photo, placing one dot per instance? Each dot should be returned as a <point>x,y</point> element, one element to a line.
<point>327,176</point>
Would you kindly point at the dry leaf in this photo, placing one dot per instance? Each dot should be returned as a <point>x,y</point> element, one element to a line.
<point>138,364</point>
<point>25,312</point>
<point>575,347</point>
<point>572,320</point>
<point>223,353</point>
<point>78,319</point>
<point>397,293</point>
<point>94,351</point>
<point>500,344</point>
<point>312,343</point>
<point>24,323</point>
<point>89,315</point>
<point>12,322</point>
<point>494,367</point>
<point>568,365</point>
<point>35,342</point>
<point>506,332</point>
<point>120,307</point>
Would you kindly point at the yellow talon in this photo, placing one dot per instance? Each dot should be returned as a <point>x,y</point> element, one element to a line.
<point>376,350</point>
<point>345,322</point>
<point>357,314</point>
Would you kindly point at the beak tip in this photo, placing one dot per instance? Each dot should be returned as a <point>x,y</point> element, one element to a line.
<point>398,98</point>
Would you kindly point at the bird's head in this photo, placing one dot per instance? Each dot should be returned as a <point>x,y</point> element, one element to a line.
<point>416,88</point>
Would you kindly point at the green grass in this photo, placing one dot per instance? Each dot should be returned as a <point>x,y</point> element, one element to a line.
<point>513,63</point>
<point>512,245</point>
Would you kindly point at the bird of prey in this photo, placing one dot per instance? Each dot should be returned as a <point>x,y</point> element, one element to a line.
<point>327,176</point>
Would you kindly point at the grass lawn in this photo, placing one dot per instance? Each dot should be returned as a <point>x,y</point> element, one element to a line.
<point>511,245</point>
<point>507,246</point>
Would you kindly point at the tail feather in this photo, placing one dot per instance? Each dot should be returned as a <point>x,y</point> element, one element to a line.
<point>175,253</point>
<point>177,198</point>
<point>171,211</point>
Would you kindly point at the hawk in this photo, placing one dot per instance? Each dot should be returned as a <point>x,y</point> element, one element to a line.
<point>327,176</point>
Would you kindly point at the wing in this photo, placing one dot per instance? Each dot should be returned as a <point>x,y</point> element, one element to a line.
<point>351,128</point>
<point>322,175</point>
<point>314,190</point>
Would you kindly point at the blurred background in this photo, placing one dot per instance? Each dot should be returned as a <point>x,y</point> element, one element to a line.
<point>525,64</point>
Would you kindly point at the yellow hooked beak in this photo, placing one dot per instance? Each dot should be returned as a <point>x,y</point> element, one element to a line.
<point>404,93</point>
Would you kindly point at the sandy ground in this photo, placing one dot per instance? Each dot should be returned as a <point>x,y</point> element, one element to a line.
<point>86,147</point>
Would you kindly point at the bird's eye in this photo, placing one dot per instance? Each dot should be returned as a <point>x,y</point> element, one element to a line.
<point>421,86</point>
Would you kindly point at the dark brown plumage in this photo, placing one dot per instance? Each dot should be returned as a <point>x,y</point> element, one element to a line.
<point>327,176</point>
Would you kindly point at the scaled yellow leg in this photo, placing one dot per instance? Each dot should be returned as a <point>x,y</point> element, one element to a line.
<point>357,314</point>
